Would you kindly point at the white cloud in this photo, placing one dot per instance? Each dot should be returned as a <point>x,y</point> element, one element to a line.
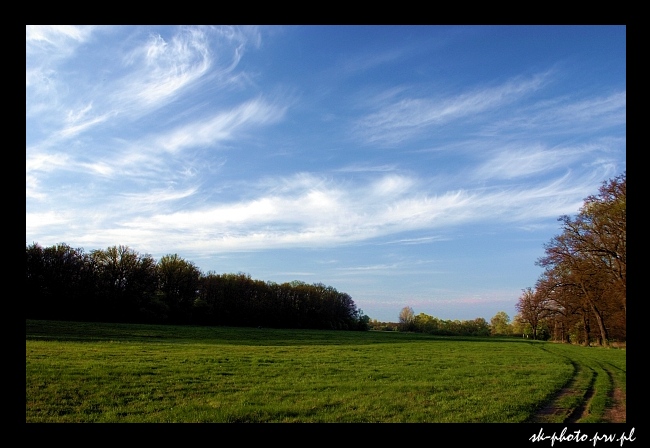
<point>46,46</point>
<point>392,185</point>
<point>418,241</point>
<point>77,128</point>
<point>55,37</point>
<point>35,223</point>
<point>161,69</point>
<point>362,167</point>
<point>151,76</point>
<point>45,162</point>
<point>548,199</point>
<point>330,215</point>
<point>223,126</point>
<point>306,210</point>
<point>610,109</point>
<point>514,161</point>
<point>407,118</point>
<point>563,116</point>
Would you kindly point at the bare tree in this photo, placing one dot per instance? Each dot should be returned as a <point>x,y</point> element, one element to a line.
<point>406,319</point>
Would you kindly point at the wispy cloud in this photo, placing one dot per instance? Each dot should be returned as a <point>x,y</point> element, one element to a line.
<point>563,116</point>
<point>379,268</point>
<point>59,39</point>
<point>41,163</point>
<point>309,210</point>
<point>47,47</point>
<point>360,63</point>
<point>142,163</point>
<point>163,68</point>
<point>610,109</point>
<point>318,212</point>
<point>34,221</point>
<point>223,126</point>
<point>545,199</point>
<point>514,161</point>
<point>409,117</point>
<point>362,168</point>
<point>418,241</point>
<point>78,127</point>
<point>150,76</point>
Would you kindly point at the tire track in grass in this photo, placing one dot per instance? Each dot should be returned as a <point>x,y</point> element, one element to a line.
<point>572,403</point>
<point>604,401</point>
<point>556,410</point>
<point>582,408</point>
<point>616,412</point>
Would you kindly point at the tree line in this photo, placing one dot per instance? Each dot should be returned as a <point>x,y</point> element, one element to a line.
<point>581,295</point>
<point>499,325</point>
<point>118,284</point>
<point>423,323</point>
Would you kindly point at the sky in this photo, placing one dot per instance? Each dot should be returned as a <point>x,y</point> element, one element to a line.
<point>406,165</point>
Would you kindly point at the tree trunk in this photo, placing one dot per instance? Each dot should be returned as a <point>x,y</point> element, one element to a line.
<point>601,326</point>
<point>586,328</point>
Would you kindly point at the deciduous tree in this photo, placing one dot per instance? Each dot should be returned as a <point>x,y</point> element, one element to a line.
<point>406,319</point>
<point>179,285</point>
<point>500,323</point>
<point>532,308</point>
<point>589,259</point>
<point>126,282</point>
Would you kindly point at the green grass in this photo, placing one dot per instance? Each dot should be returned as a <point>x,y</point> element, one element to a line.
<point>589,394</point>
<point>85,372</point>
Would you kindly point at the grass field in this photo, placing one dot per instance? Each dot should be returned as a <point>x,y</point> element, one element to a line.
<point>88,372</point>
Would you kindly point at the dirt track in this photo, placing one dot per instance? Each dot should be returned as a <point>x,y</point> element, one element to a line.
<point>555,412</point>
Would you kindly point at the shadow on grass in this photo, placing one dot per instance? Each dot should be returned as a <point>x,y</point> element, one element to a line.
<point>120,332</point>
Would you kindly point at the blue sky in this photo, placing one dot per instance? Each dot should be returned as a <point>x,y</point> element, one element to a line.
<point>421,166</point>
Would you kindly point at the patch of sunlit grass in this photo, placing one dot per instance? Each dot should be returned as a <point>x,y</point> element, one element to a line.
<point>80,372</point>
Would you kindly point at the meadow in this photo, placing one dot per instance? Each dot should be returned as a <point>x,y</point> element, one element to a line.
<point>97,372</point>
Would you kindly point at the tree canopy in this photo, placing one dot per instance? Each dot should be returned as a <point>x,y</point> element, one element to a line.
<point>118,284</point>
<point>582,294</point>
